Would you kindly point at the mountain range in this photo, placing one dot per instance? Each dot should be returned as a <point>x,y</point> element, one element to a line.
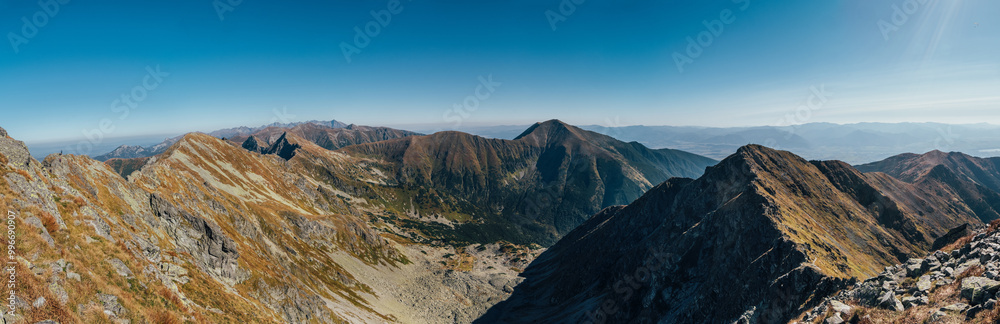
<point>325,222</point>
<point>136,151</point>
<point>214,230</point>
<point>532,189</point>
<point>852,143</point>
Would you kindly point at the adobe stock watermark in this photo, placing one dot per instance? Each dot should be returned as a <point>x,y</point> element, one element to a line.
<point>565,9</point>
<point>462,111</point>
<point>946,138</point>
<point>697,44</point>
<point>363,35</point>
<point>123,106</point>
<point>10,269</point>
<point>817,99</point>
<point>612,127</point>
<point>281,116</point>
<point>30,27</point>
<point>225,6</point>
<point>900,16</point>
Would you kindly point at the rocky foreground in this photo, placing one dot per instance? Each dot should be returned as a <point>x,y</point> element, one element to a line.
<point>957,284</point>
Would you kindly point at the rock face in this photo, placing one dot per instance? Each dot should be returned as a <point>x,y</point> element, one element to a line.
<point>967,275</point>
<point>251,144</point>
<point>15,151</point>
<point>213,251</point>
<point>761,237</point>
<point>532,189</point>
<point>283,148</point>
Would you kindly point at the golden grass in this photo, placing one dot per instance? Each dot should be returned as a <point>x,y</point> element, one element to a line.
<point>30,288</point>
<point>49,222</point>
<point>163,317</point>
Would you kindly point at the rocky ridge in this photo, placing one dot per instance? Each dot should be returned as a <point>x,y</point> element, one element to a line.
<point>958,284</point>
<point>788,231</point>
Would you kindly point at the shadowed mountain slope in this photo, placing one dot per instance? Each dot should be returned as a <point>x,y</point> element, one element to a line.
<point>762,236</point>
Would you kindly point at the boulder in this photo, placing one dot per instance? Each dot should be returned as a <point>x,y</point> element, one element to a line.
<point>835,319</point>
<point>930,264</point>
<point>924,283</point>
<point>973,311</point>
<point>990,304</point>
<point>915,301</point>
<point>956,308</point>
<point>941,256</point>
<point>39,303</point>
<point>890,302</point>
<point>914,268</point>
<point>840,307</point>
<point>111,305</point>
<point>978,289</point>
<point>59,292</point>
<point>121,268</point>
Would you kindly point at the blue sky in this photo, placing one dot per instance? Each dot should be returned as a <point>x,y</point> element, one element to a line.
<point>607,63</point>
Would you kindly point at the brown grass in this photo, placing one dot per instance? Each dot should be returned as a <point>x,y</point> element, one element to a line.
<point>170,296</point>
<point>973,271</point>
<point>957,244</point>
<point>163,317</point>
<point>49,222</point>
<point>79,201</point>
<point>31,288</point>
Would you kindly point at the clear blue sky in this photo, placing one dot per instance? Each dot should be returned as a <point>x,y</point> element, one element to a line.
<point>608,61</point>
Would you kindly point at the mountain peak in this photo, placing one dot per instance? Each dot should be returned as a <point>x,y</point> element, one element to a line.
<point>252,144</point>
<point>3,132</point>
<point>550,131</point>
<point>754,149</point>
<point>283,147</point>
<point>762,158</point>
<point>544,127</point>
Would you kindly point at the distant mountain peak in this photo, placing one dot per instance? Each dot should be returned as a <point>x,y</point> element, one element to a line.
<point>546,128</point>
<point>251,144</point>
<point>283,148</point>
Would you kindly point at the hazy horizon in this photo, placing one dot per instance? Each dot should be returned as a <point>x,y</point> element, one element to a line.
<point>508,131</point>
